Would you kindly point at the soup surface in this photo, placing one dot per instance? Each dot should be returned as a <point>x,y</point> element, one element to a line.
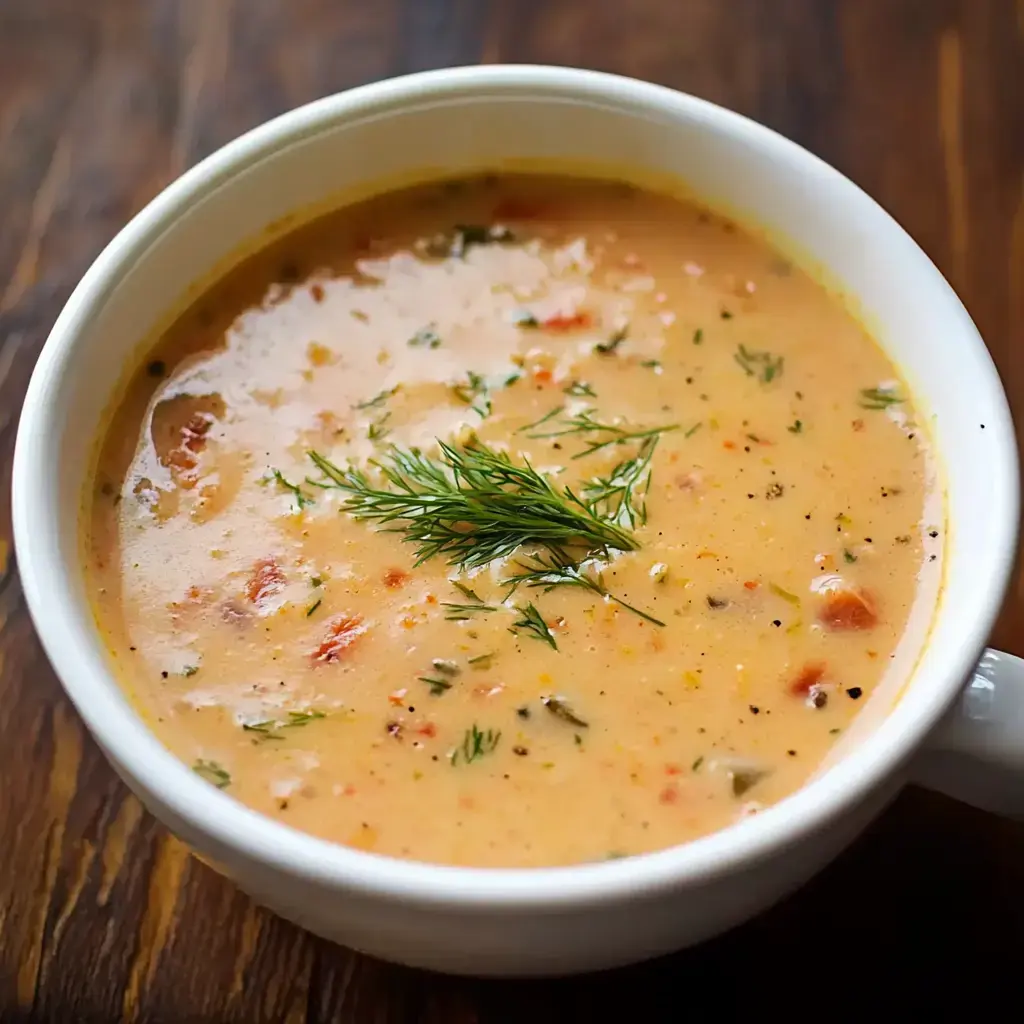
<point>666,552</point>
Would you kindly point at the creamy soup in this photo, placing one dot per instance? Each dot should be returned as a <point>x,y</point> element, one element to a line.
<point>518,521</point>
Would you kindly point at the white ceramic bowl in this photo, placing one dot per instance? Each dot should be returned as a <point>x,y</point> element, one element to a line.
<point>590,916</point>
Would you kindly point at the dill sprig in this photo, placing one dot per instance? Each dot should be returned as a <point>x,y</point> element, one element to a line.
<point>598,435</point>
<point>269,728</point>
<point>472,505</point>
<point>614,496</point>
<point>475,743</point>
<point>763,365</point>
<point>532,623</point>
<point>301,500</point>
<point>378,399</point>
<point>546,573</point>
<point>879,398</point>
<point>437,684</point>
<point>475,393</point>
<point>378,429</point>
<point>462,612</point>
<point>212,772</point>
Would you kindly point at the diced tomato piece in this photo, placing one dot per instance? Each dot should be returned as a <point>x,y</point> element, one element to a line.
<point>543,376</point>
<point>751,584</point>
<point>810,675</point>
<point>395,578</point>
<point>730,445</point>
<point>342,633</point>
<point>567,321</point>
<point>265,580</point>
<point>673,769</point>
<point>848,609</point>
<point>182,459</point>
<point>193,433</point>
<point>428,729</point>
<point>669,795</point>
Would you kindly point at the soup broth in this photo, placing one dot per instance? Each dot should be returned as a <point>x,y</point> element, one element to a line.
<point>511,522</point>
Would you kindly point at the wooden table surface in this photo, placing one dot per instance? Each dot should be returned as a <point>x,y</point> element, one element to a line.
<point>103,916</point>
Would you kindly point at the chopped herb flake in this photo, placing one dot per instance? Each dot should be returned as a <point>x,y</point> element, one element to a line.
<point>213,773</point>
<point>475,744</point>
<point>426,337</point>
<point>561,708</point>
<point>532,623</point>
<point>879,398</point>
<point>437,684</point>
<point>607,348</point>
<point>762,365</point>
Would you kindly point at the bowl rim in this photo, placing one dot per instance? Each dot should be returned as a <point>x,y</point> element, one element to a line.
<point>231,827</point>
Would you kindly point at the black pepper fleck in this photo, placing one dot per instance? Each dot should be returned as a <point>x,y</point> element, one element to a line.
<point>854,693</point>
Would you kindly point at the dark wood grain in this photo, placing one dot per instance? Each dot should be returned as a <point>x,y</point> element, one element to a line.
<point>103,916</point>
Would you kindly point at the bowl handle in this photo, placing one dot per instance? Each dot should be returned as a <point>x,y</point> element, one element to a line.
<point>976,754</point>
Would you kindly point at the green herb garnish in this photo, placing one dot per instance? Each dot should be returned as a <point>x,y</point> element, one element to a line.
<point>475,744</point>
<point>548,573</point>
<point>301,500</point>
<point>698,336</point>
<point>437,684</point>
<point>462,612</point>
<point>759,364</point>
<point>482,661</point>
<point>797,427</point>
<point>474,392</point>
<point>426,337</point>
<point>693,430</point>
<point>879,398</point>
<point>579,389</point>
<point>607,348</point>
<point>598,435</point>
<point>848,556</point>
<point>613,496</point>
<point>551,414</point>
<point>378,399</point>
<point>561,708</point>
<point>271,727</point>
<point>313,607</point>
<point>472,505</point>
<point>378,430</point>
<point>212,772</point>
<point>532,623</point>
